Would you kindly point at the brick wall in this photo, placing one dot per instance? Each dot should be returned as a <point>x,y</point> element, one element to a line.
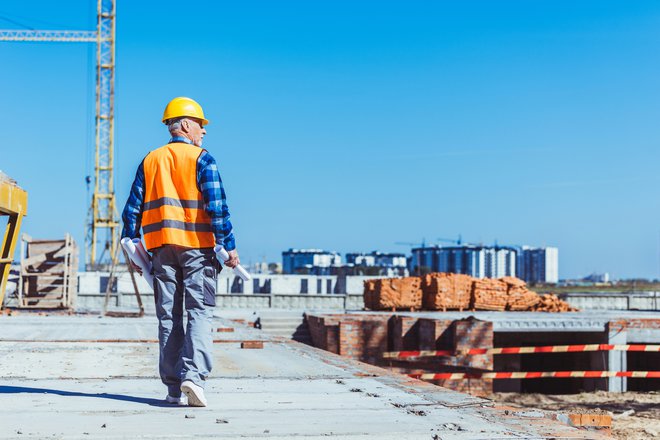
<point>466,334</point>
<point>366,337</point>
<point>473,333</point>
<point>638,323</point>
<point>435,334</point>
<point>404,334</point>
<point>362,337</point>
<point>324,331</point>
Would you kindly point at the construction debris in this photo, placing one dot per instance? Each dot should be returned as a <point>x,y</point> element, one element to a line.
<point>393,294</point>
<point>635,415</point>
<point>447,291</point>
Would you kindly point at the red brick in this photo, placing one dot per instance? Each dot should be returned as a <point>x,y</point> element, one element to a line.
<point>434,334</point>
<point>591,420</point>
<point>404,333</point>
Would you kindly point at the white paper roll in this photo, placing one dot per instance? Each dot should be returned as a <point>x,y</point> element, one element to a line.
<point>139,256</point>
<point>222,253</point>
<point>142,252</point>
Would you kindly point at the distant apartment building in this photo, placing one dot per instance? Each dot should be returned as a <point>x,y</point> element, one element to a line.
<point>310,261</point>
<point>476,261</point>
<point>380,263</point>
<point>538,265</point>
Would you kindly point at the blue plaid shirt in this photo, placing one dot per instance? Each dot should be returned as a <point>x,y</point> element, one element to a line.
<point>213,194</point>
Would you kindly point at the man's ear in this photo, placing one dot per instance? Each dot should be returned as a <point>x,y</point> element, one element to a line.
<point>185,125</point>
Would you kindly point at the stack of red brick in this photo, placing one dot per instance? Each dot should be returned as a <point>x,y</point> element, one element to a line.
<point>393,294</point>
<point>551,303</point>
<point>519,298</point>
<point>489,294</point>
<point>446,291</point>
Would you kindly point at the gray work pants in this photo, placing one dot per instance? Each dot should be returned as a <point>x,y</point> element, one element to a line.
<point>184,276</point>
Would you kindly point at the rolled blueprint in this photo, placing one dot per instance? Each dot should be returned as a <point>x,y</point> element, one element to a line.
<point>224,256</point>
<point>139,256</point>
<point>142,251</point>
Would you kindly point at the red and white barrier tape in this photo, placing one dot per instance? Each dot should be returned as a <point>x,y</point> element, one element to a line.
<point>536,375</point>
<point>522,350</point>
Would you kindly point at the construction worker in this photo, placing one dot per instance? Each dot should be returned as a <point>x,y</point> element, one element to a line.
<point>179,201</point>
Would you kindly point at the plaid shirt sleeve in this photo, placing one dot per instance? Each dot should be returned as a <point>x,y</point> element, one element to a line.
<point>132,214</point>
<point>215,200</point>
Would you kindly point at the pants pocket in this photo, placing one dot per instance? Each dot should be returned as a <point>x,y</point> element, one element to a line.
<point>209,286</point>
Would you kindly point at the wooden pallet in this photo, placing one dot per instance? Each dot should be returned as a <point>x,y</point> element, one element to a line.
<point>48,277</point>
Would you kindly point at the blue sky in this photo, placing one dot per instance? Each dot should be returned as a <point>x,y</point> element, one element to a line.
<point>351,125</point>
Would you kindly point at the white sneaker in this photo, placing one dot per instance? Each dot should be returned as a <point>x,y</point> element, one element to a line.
<point>176,400</point>
<point>195,393</point>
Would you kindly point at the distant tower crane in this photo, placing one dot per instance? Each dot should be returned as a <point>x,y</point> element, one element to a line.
<point>449,240</point>
<point>412,244</point>
<point>103,211</point>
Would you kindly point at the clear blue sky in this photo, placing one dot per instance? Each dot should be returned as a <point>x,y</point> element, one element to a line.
<point>351,125</point>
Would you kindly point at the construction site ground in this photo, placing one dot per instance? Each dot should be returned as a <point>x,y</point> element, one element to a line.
<point>635,415</point>
<point>91,377</point>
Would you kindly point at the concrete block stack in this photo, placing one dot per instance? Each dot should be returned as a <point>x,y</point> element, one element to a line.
<point>447,291</point>
<point>393,294</point>
<point>489,294</point>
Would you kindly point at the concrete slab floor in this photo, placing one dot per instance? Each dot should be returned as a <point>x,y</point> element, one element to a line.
<point>54,387</point>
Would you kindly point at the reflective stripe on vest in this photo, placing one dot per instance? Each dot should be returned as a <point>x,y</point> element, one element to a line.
<point>173,210</point>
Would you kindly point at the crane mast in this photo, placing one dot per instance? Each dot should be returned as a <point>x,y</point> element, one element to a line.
<point>102,231</point>
<point>104,211</point>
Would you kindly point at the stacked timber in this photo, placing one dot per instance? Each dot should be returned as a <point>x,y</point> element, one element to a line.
<point>551,303</point>
<point>447,291</point>
<point>393,294</point>
<point>519,298</point>
<point>489,294</point>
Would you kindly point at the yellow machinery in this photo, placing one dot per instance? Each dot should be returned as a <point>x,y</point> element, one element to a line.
<point>13,203</point>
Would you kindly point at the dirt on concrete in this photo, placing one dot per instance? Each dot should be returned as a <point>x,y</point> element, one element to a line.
<point>635,415</point>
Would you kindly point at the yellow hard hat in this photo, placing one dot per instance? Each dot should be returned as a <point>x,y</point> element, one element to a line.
<point>181,107</point>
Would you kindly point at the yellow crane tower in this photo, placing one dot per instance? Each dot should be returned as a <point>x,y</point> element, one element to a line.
<point>99,248</point>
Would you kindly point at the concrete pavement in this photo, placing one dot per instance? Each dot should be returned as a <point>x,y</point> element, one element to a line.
<point>58,381</point>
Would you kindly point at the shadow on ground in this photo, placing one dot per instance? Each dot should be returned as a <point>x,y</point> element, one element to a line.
<point>120,397</point>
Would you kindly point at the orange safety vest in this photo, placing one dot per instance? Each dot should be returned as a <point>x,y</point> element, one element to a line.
<point>173,210</point>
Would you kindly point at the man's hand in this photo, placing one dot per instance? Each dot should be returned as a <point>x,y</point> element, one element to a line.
<point>233,259</point>
<point>135,267</point>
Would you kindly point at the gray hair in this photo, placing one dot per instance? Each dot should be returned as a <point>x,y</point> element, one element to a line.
<point>174,124</point>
